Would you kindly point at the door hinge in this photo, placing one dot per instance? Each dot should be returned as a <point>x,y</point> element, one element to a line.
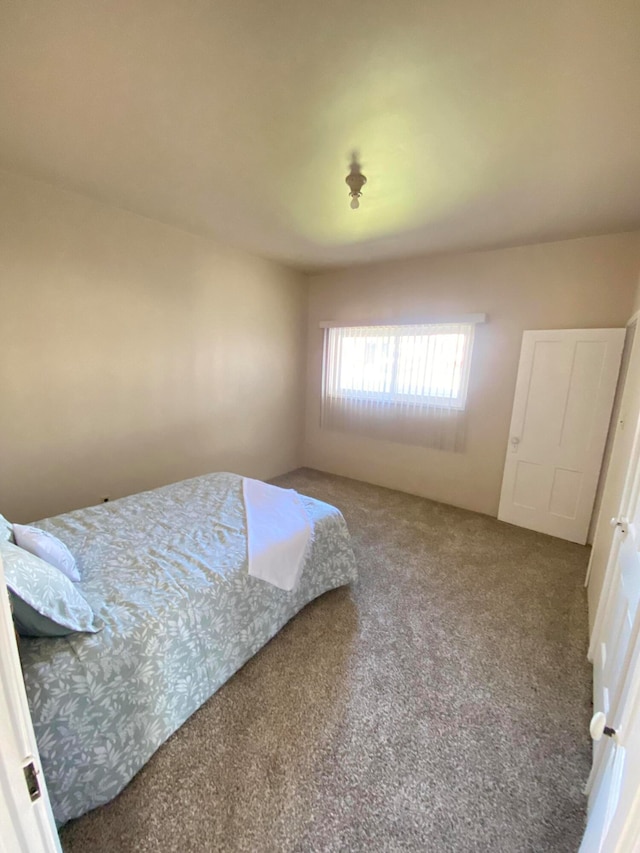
<point>31,778</point>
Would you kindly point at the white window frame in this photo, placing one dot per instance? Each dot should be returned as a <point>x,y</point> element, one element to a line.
<point>392,397</point>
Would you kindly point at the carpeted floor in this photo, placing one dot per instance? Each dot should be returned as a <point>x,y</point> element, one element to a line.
<point>441,704</point>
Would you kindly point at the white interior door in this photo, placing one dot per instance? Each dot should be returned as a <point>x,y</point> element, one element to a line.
<point>26,821</point>
<point>561,410</point>
<point>615,652</point>
<point>613,825</point>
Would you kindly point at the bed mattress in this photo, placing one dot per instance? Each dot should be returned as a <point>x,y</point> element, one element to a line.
<point>166,573</point>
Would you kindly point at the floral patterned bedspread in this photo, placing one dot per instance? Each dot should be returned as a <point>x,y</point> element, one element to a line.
<point>166,572</point>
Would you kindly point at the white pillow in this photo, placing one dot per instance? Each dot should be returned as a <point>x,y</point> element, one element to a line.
<point>48,547</point>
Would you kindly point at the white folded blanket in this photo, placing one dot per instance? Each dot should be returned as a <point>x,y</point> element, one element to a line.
<point>279,532</point>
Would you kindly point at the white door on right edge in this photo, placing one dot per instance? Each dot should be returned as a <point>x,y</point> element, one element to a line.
<point>561,410</point>
<point>614,782</point>
<point>613,824</point>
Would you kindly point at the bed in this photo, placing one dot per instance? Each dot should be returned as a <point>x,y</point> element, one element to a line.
<point>165,572</point>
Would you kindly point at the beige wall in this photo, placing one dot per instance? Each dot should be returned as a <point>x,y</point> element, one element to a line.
<point>578,283</point>
<point>134,354</point>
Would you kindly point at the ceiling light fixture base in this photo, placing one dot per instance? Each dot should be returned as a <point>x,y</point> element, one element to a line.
<point>355,180</point>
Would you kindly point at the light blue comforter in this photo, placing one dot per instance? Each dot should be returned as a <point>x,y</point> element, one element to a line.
<point>166,572</point>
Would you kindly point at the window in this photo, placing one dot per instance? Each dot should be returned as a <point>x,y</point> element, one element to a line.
<point>405,364</point>
<point>404,382</point>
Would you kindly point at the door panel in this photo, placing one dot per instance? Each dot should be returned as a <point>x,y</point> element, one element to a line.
<point>565,493</point>
<point>586,374</point>
<point>530,485</point>
<point>562,405</point>
<point>541,423</point>
<point>616,634</point>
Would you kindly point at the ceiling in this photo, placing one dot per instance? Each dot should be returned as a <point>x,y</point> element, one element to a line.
<point>477,124</point>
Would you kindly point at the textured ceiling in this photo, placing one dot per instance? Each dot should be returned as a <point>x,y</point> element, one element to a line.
<point>477,124</point>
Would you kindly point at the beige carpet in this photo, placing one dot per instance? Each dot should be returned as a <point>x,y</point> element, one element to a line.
<point>441,704</point>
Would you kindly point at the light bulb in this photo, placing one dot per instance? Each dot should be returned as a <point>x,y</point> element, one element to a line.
<point>355,204</point>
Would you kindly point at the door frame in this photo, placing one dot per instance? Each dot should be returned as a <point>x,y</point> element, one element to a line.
<point>634,319</point>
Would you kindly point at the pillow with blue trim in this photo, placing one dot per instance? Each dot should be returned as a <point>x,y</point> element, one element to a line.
<point>44,601</point>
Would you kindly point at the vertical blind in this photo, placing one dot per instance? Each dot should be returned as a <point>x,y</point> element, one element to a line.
<point>405,383</point>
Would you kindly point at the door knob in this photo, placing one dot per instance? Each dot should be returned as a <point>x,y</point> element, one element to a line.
<point>620,522</point>
<point>598,726</point>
